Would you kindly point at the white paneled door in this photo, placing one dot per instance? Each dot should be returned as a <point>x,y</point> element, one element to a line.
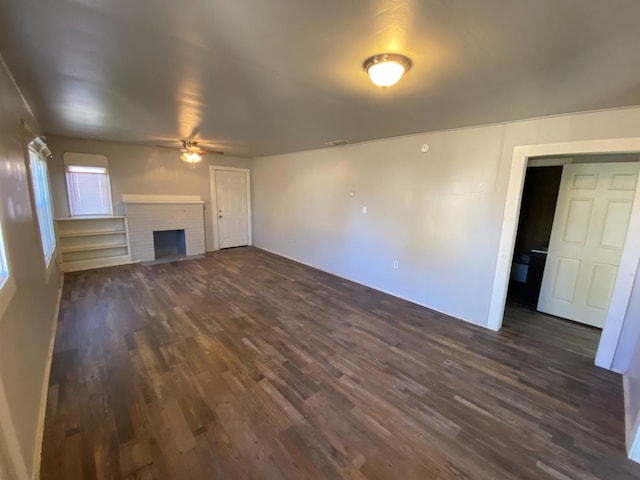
<point>588,234</point>
<point>232,203</point>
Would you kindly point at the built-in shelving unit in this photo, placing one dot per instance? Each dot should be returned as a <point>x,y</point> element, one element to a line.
<point>92,242</point>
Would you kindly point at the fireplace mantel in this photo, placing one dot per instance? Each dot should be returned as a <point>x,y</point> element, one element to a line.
<point>170,199</point>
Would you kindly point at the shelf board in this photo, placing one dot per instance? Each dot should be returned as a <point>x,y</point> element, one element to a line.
<point>90,233</point>
<point>77,265</point>
<point>90,248</point>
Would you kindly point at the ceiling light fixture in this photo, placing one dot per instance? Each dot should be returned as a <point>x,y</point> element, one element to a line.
<point>191,157</point>
<point>190,152</point>
<point>386,69</point>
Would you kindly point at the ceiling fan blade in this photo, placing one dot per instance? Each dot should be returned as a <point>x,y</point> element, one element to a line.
<point>194,148</point>
<point>195,132</point>
<point>214,152</point>
<point>170,148</point>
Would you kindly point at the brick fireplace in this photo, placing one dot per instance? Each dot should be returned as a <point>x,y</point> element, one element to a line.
<point>147,214</point>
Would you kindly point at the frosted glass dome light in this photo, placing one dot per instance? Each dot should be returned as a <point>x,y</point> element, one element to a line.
<point>386,69</point>
<point>191,157</point>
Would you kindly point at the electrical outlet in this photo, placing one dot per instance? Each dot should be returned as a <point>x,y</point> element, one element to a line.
<point>364,210</point>
<point>395,265</point>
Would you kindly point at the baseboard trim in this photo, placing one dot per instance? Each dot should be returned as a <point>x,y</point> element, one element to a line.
<point>37,456</point>
<point>370,286</point>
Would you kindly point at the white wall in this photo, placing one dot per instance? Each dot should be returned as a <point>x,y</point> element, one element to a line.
<point>27,323</point>
<point>439,214</point>
<point>137,169</point>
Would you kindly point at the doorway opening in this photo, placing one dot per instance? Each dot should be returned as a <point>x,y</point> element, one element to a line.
<point>626,273</point>
<point>573,221</point>
<point>539,197</point>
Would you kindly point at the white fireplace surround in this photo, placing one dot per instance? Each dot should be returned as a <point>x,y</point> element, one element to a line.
<point>149,213</point>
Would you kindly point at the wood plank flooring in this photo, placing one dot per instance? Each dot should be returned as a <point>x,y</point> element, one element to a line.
<point>245,365</point>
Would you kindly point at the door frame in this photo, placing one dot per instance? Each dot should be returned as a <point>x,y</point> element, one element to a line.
<point>630,253</point>
<point>214,201</point>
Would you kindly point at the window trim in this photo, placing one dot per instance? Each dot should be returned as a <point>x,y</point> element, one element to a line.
<point>8,287</point>
<point>41,151</point>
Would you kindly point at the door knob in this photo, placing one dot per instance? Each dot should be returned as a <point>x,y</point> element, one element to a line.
<point>219,216</point>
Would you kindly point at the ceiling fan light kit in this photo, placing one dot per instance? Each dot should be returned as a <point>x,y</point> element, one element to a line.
<point>386,69</point>
<point>190,152</point>
<point>191,157</point>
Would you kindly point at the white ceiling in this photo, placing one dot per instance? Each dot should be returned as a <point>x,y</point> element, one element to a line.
<point>257,77</point>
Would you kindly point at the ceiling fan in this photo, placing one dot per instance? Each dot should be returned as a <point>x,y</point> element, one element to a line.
<point>191,152</point>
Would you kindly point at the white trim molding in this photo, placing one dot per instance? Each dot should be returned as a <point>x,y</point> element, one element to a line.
<point>630,254</point>
<point>85,160</point>
<point>214,201</point>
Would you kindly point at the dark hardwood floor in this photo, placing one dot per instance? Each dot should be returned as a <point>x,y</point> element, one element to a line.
<point>245,365</point>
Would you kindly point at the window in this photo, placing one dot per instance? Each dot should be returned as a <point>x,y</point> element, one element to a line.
<point>7,284</point>
<point>88,184</point>
<point>4,266</point>
<point>38,152</point>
